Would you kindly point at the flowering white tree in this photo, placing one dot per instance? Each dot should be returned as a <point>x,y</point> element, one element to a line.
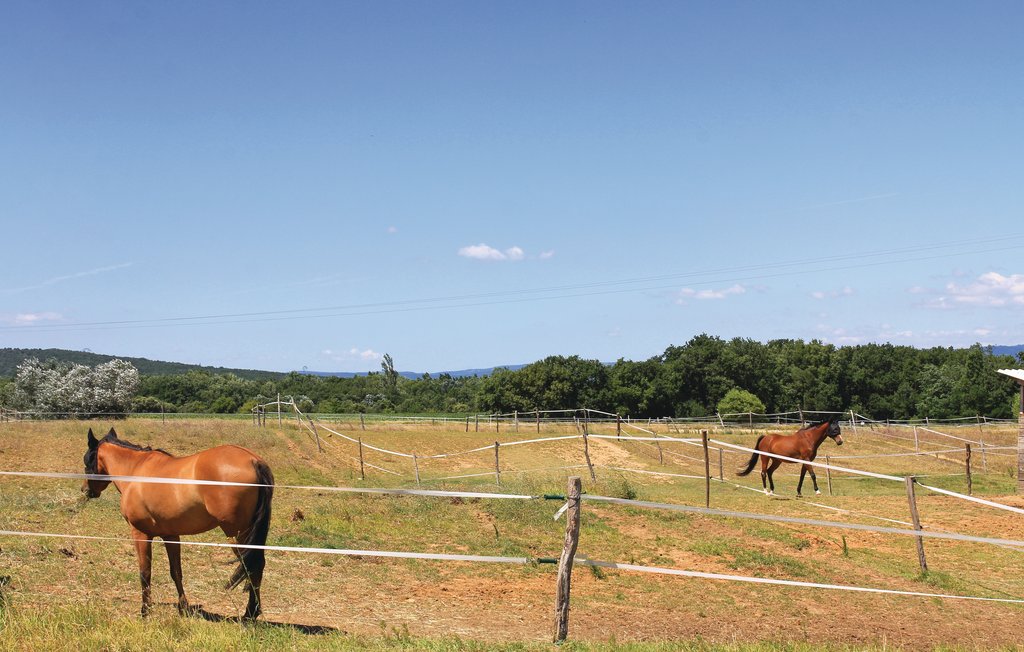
<point>54,386</point>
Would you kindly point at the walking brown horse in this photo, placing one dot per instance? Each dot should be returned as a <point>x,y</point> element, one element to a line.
<point>802,445</point>
<point>169,510</point>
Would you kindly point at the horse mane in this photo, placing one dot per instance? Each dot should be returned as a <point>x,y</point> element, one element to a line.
<point>111,438</point>
<point>816,424</point>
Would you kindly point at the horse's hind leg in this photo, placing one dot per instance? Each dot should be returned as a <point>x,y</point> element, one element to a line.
<point>254,578</point>
<point>764,475</point>
<point>800,484</point>
<point>771,469</point>
<point>144,552</point>
<point>173,547</point>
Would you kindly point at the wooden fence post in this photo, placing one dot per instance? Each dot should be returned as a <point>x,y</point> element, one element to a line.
<point>316,435</point>
<point>477,422</point>
<point>538,422</point>
<point>362,471</point>
<point>917,445</point>
<point>707,468</point>
<point>912,499</point>
<point>618,427</point>
<point>586,454</point>
<point>853,421</point>
<point>362,422</point>
<point>416,468</point>
<point>967,465</point>
<point>280,423</point>
<point>721,466</point>
<point>497,464</point>
<point>467,424</point>
<point>565,562</point>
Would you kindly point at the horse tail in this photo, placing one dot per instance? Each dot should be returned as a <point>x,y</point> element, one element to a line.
<point>753,460</point>
<point>253,560</point>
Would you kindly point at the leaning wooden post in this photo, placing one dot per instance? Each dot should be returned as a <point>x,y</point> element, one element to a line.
<point>912,499</point>
<point>586,454</point>
<point>707,468</point>
<point>416,468</point>
<point>1020,443</point>
<point>828,474</point>
<point>565,562</point>
<point>967,466</point>
<point>853,421</point>
<point>362,470</point>
<point>497,465</point>
<point>917,445</point>
<point>316,435</point>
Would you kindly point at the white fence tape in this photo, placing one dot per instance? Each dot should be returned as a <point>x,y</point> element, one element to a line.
<point>362,490</point>
<point>766,580</point>
<point>527,560</point>
<point>804,521</point>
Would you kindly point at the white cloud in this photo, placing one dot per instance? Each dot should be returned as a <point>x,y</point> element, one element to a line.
<point>67,277</point>
<point>353,353</point>
<point>33,318</point>
<point>392,229</point>
<point>486,252</point>
<point>547,255</point>
<point>845,291</point>
<point>702,295</point>
<point>990,290</point>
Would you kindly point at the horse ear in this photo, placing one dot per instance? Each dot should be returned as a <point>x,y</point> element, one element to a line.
<point>112,434</point>
<point>93,442</point>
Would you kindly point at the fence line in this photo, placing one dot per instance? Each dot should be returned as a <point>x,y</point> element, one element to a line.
<point>579,559</point>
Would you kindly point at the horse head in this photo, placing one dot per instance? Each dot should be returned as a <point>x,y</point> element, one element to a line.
<point>833,431</point>
<point>93,466</point>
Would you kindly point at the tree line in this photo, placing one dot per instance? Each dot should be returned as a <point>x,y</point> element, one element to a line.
<point>706,375</point>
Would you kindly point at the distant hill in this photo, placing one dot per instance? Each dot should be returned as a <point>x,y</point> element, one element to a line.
<point>412,375</point>
<point>11,358</point>
<point>1008,350</point>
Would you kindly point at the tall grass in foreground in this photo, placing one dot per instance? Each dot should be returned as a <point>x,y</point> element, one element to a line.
<point>83,629</point>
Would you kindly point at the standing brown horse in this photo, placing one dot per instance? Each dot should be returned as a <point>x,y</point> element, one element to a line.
<point>802,445</point>
<point>171,510</point>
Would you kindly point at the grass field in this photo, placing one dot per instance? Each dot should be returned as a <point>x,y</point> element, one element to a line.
<point>81,594</point>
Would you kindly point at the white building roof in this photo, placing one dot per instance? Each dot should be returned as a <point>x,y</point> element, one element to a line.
<point>1016,374</point>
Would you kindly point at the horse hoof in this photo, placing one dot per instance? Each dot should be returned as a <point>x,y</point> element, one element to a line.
<point>817,493</point>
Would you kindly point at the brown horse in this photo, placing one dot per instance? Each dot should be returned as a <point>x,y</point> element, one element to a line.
<point>802,445</point>
<point>171,510</point>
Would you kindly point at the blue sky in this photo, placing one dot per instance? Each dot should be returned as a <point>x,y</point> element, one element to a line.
<point>466,184</point>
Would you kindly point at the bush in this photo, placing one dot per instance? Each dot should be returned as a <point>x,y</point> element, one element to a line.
<point>738,401</point>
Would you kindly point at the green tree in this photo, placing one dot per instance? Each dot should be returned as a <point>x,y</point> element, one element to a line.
<point>738,401</point>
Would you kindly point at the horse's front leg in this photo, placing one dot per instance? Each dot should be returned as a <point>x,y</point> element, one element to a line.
<point>814,479</point>
<point>144,552</point>
<point>173,547</point>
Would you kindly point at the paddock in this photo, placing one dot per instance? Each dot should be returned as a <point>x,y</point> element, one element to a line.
<point>349,585</point>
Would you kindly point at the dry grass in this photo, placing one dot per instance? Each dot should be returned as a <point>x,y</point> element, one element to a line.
<point>84,594</point>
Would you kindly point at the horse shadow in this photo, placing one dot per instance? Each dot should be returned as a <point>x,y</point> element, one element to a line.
<point>313,630</point>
